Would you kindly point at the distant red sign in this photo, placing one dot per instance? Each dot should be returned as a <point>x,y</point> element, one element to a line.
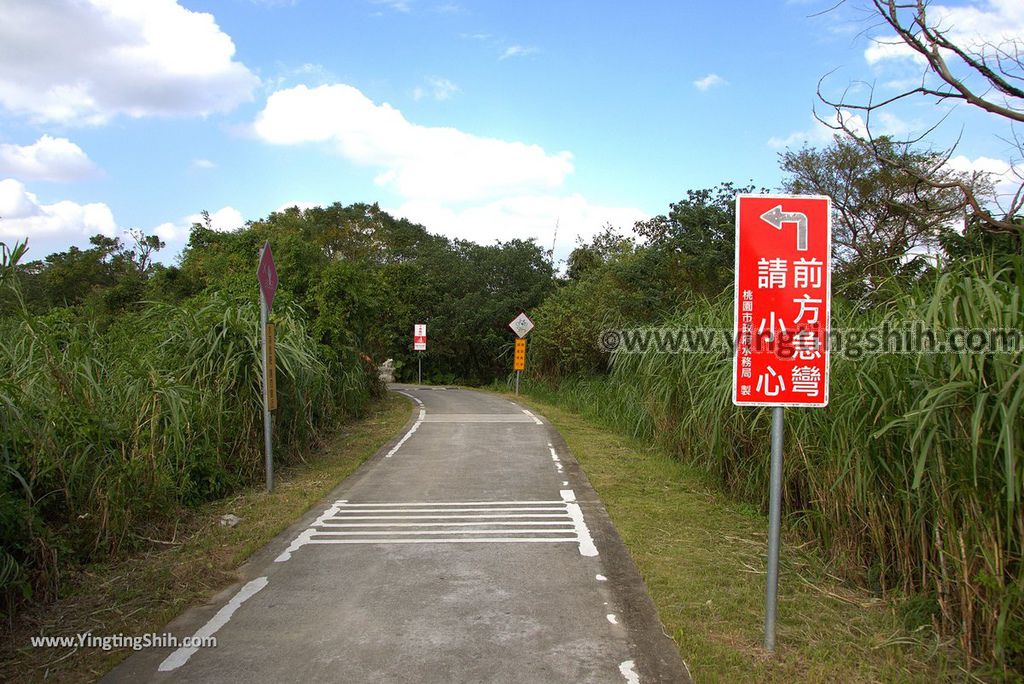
<point>419,337</point>
<point>783,300</point>
<point>266,272</point>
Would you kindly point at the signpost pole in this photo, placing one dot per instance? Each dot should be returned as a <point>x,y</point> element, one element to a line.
<point>267,447</point>
<point>266,274</point>
<point>419,368</point>
<point>774,524</point>
<point>517,382</point>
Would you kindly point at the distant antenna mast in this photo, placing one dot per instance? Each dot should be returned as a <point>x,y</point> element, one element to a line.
<point>554,240</point>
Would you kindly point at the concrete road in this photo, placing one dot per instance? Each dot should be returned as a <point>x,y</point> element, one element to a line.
<point>470,549</point>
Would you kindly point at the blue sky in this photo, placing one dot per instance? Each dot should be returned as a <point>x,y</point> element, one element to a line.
<point>481,120</point>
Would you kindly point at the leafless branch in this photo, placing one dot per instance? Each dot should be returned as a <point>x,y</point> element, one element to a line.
<point>986,76</point>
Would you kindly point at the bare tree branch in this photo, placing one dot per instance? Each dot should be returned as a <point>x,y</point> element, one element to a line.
<point>985,76</point>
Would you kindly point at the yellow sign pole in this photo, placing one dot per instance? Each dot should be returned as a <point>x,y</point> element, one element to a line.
<point>519,359</point>
<point>271,367</point>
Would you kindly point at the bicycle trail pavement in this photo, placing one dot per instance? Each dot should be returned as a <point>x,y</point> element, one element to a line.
<point>469,549</point>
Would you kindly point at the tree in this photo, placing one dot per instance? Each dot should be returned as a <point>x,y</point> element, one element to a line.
<point>604,246</point>
<point>699,237</point>
<point>882,214</point>
<point>985,75</point>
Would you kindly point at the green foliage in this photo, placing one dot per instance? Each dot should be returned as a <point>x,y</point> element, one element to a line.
<point>613,281</point>
<point>129,389</point>
<point>697,239</point>
<point>881,211</point>
<point>911,478</point>
<point>364,278</point>
<point>109,431</point>
<point>108,277</point>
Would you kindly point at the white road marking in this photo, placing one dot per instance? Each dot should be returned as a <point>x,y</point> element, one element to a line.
<point>389,532</point>
<point>405,437</point>
<point>428,517</point>
<point>416,399</point>
<point>181,656</point>
<point>628,670</point>
<point>482,540</point>
<point>448,522</point>
<point>587,547</point>
<point>536,420</point>
<point>419,421</point>
<point>304,538</point>
<point>452,503</point>
<point>612,619</point>
<point>565,483</point>
<point>476,418</point>
<point>600,578</point>
<point>347,510</point>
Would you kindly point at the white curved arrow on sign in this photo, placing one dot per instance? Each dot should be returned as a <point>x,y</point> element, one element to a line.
<point>775,217</point>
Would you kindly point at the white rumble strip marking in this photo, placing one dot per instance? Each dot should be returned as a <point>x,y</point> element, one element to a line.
<point>456,522</point>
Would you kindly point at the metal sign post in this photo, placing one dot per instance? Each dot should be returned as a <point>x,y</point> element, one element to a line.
<point>521,325</point>
<point>419,344</point>
<point>781,328</point>
<point>266,273</point>
<point>519,359</point>
<point>774,530</point>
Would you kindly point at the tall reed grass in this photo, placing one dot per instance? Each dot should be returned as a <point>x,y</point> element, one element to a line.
<point>911,478</point>
<point>105,433</point>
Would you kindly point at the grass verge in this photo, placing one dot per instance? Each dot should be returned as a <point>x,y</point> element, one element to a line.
<point>194,560</point>
<point>702,557</point>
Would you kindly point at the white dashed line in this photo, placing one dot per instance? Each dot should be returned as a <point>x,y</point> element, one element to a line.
<point>416,399</point>
<point>612,619</point>
<point>587,547</point>
<point>629,673</point>
<point>181,656</point>
<point>536,420</point>
<point>600,578</point>
<point>407,435</point>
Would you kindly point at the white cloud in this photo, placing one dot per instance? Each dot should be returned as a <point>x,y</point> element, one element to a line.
<point>438,88</point>
<point>709,82</point>
<point>204,164</point>
<point>403,6</point>
<point>523,217</point>
<point>85,61</point>
<point>22,215</point>
<point>223,220</point>
<point>883,123</point>
<point>882,49</point>
<point>418,162</point>
<point>972,26</point>
<point>50,159</point>
<point>302,206</point>
<point>1006,178</point>
<point>518,51</point>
